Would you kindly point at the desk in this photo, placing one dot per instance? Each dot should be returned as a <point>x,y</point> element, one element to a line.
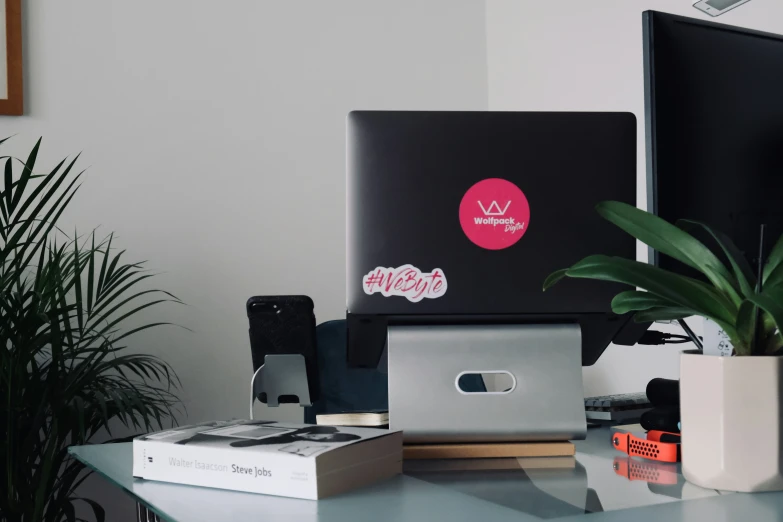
<point>587,486</point>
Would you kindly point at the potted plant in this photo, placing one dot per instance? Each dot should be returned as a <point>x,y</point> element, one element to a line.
<point>66,374</point>
<point>731,407</point>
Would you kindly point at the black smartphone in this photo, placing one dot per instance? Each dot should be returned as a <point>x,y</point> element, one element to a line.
<point>284,324</point>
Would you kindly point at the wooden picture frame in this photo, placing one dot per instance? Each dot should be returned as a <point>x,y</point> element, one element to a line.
<point>11,82</point>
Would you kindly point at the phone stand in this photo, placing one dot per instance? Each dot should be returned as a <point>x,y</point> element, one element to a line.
<point>280,375</point>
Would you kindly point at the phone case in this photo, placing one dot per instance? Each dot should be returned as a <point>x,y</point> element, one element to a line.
<point>284,325</point>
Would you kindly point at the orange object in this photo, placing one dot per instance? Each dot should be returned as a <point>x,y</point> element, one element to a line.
<point>649,448</point>
<point>663,473</point>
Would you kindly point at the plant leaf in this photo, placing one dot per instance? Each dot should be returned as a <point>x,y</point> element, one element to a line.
<point>774,260</point>
<point>33,197</point>
<point>78,265</point>
<point>97,509</point>
<point>671,241</point>
<point>746,327</point>
<point>108,300</point>
<point>739,264</point>
<point>104,263</point>
<point>9,182</point>
<point>91,276</point>
<point>48,222</point>
<point>775,277</point>
<point>680,290</point>
<point>771,301</point>
<point>107,328</point>
<point>27,172</point>
<point>634,301</point>
<point>141,328</point>
<point>63,380</point>
<point>663,314</point>
<point>554,277</point>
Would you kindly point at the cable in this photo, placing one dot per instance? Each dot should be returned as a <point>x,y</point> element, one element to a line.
<point>654,337</point>
<point>252,390</point>
<point>696,340</point>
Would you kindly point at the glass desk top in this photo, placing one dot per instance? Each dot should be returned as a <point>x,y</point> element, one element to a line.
<point>594,484</point>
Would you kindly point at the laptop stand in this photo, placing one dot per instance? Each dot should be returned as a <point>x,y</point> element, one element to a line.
<point>545,402</point>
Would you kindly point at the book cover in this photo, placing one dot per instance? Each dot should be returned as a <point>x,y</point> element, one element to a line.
<point>275,458</point>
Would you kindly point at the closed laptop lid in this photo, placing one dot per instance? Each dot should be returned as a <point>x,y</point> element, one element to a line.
<point>469,212</point>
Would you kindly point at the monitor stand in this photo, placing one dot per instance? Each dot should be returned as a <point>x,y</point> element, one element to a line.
<point>544,403</point>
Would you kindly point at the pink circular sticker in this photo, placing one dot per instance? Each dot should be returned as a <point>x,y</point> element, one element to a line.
<point>494,214</point>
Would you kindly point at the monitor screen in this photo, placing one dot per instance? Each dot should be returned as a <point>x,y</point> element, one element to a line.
<point>714,128</point>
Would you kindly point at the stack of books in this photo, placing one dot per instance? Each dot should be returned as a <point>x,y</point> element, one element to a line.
<point>502,450</point>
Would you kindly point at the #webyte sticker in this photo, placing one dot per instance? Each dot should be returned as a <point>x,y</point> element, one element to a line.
<point>405,281</point>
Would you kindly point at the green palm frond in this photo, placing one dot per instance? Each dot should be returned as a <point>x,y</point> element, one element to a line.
<point>66,373</point>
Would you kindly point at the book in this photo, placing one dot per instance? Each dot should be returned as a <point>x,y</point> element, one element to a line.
<point>275,458</point>
<point>369,418</point>
<point>488,450</point>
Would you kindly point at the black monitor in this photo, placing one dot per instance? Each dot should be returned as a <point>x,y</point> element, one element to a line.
<point>714,116</point>
<point>458,217</point>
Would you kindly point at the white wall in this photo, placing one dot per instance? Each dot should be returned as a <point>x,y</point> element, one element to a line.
<point>214,132</point>
<point>575,55</point>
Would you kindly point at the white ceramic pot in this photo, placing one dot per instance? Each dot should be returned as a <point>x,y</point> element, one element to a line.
<point>731,411</point>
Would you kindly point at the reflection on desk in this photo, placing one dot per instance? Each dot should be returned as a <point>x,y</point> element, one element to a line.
<point>546,487</point>
<point>560,486</point>
<point>511,490</point>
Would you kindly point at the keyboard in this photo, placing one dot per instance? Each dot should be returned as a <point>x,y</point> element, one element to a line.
<point>624,407</point>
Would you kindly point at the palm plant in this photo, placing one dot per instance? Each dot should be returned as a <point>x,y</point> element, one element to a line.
<point>65,371</point>
<point>749,310</point>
